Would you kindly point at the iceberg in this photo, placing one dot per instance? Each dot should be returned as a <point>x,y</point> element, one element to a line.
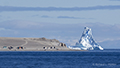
<point>86,41</point>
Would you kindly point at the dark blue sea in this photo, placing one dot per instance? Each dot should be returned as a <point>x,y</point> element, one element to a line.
<point>109,58</point>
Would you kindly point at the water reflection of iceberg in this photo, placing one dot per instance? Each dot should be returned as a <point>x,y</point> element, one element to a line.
<point>86,41</point>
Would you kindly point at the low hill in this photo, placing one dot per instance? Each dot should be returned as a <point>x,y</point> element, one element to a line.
<point>31,44</point>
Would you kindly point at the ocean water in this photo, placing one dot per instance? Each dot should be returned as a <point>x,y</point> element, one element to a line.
<point>109,58</point>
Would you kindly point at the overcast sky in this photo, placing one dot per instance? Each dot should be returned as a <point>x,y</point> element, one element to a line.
<point>60,19</point>
<point>61,11</point>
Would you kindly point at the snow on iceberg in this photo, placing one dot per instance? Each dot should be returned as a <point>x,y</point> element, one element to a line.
<point>86,41</point>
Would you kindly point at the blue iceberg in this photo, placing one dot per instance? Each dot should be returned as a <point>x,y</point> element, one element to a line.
<point>86,41</point>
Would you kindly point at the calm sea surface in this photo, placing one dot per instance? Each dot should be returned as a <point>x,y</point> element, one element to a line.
<point>72,59</point>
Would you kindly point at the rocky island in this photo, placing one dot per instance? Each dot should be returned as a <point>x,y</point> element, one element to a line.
<point>31,44</point>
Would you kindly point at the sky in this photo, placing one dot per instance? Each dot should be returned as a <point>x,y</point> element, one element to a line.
<point>61,19</point>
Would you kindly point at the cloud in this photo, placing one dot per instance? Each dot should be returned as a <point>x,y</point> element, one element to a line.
<point>17,24</point>
<point>45,16</point>
<point>35,15</point>
<point>114,0</point>
<point>69,17</point>
<point>2,29</point>
<point>11,8</point>
<point>4,32</point>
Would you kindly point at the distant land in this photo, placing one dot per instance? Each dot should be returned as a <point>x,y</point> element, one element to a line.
<point>112,44</point>
<point>31,44</point>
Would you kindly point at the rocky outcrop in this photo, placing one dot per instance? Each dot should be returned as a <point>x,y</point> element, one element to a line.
<point>62,45</point>
<point>43,39</point>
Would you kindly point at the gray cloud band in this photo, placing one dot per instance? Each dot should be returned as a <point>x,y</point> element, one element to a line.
<point>10,8</point>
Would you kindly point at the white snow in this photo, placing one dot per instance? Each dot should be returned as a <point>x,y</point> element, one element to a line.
<point>86,41</point>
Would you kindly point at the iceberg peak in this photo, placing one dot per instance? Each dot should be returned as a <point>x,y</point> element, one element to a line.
<point>86,41</point>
